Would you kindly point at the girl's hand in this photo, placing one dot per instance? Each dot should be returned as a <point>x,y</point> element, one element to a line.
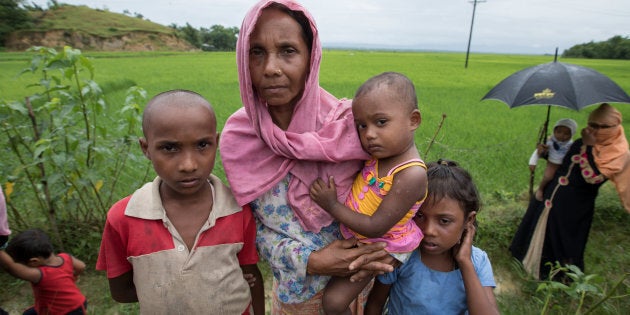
<point>463,251</point>
<point>325,195</point>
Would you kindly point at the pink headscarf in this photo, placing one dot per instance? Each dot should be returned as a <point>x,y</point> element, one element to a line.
<point>4,220</point>
<point>611,150</point>
<point>320,141</point>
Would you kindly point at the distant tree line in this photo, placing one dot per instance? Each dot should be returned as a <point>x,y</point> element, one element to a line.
<point>215,38</point>
<point>617,47</point>
<point>14,15</point>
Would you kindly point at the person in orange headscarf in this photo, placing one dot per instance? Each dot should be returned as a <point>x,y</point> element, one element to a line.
<point>610,147</point>
<point>556,229</point>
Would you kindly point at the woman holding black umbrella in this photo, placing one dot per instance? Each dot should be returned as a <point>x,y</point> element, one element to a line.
<point>557,228</point>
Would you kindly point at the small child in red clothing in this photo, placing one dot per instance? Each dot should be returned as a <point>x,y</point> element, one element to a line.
<point>29,256</point>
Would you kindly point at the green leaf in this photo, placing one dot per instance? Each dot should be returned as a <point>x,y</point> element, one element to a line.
<point>18,107</point>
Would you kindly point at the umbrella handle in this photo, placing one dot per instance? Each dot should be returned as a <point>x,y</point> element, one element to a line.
<point>542,134</point>
<point>542,137</point>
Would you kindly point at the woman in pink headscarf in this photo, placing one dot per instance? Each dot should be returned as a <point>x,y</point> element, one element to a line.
<point>290,132</point>
<point>557,228</point>
<point>4,221</point>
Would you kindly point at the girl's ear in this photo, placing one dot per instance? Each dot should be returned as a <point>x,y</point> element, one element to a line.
<point>472,218</point>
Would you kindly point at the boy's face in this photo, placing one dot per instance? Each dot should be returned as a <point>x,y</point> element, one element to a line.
<point>562,133</point>
<point>181,142</point>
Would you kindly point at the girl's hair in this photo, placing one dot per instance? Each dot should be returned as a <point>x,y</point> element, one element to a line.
<point>447,179</point>
<point>300,18</point>
<point>29,244</point>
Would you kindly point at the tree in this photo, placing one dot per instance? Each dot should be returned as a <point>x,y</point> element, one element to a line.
<point>616,47</point>
<point>190,34</point>
<point>223,38</point>
<point>13,17</point>
<point>216,37</point>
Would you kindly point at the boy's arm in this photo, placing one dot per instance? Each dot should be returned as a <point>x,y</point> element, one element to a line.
<point>408,187</point>
<point>377,298</point>
<point>123,289</point>
<point>78,265</point>
<point>257,289</point>
<point>18,270</point>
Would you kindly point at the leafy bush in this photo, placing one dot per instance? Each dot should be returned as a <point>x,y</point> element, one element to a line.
<point>65,166</point>
<point>579,293</point>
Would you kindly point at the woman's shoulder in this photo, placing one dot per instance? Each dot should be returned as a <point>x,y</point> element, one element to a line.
<point>238,116</point>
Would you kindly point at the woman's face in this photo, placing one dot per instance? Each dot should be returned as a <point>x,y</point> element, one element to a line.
<point>279,58</point>
<point>600,129</point>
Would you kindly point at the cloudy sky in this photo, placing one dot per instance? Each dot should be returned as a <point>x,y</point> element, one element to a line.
<point>500,26</point>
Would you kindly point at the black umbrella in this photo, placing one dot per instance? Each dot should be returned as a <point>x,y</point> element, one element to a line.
<point>556,83</point>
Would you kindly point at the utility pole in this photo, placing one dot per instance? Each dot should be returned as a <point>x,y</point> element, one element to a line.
<point>471,29</point>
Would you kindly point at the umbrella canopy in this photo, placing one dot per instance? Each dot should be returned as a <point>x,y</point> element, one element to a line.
<point>557,83</point>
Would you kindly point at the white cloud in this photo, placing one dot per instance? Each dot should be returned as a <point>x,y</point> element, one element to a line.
<point>503,26</point>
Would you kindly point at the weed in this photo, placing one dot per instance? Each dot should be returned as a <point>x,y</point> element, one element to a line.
<point>65,163</point>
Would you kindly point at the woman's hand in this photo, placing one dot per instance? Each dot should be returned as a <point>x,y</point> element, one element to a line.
<point>344,257</point>
<point>373,268</point>
<point>588,138</point>
<point>542,149</point>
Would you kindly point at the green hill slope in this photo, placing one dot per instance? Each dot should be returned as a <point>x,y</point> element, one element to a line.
<point>92,29</point>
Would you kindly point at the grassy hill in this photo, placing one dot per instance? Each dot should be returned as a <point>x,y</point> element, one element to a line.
<point>96,30</point>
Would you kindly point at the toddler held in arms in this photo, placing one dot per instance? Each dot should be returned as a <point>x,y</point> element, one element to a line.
<point>554,151</point>
<point>388,190</point>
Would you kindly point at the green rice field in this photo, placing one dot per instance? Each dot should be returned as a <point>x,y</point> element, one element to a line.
<point>488,138</point>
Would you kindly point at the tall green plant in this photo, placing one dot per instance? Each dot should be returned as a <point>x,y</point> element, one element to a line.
<point>65,164</point>
<point>579,293</point>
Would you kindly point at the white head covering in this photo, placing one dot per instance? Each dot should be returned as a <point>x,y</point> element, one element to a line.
<point>569,123</point>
